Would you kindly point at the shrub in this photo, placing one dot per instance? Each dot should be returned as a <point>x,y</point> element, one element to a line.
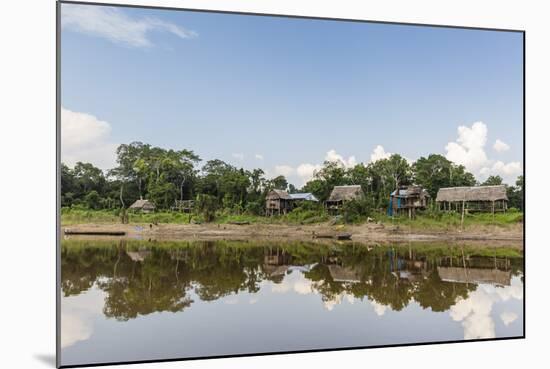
<point>254,208</point>
<point>207,205</point>
<point>354,211</point>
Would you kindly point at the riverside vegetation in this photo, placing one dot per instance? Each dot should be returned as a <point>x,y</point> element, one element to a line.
<point>224,193</point>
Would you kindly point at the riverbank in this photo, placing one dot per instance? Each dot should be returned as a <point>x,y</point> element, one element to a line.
<point>368,232</point>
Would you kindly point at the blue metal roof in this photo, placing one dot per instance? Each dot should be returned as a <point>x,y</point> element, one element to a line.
<point>406,192</point>
<point>303,196</point>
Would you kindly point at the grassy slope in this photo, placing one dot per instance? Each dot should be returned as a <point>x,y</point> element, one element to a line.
<point>433,222</point>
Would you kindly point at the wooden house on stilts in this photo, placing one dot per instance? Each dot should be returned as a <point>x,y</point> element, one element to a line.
<point>341,194</point>
<point>473,199</point>
<point>407,200</point>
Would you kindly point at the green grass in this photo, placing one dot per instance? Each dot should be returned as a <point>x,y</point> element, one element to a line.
<point>452,221</point>
<point>79,216</point>
<point>425,221</point>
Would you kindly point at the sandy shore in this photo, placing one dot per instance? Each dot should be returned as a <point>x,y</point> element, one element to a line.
<point>512,235</point>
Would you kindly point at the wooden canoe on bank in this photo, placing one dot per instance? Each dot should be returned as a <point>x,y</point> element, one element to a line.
<point>336,236</point>
<point>94,232</point>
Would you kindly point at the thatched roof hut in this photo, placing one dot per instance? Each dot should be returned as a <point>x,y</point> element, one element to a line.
<point>277,202</point>
<point>478,193</point>
<point>143,205</point>
<point>278,194</point>
<point>341,194</point>
<point>281,202</point>
<point>479,198</point>
<point>345,193</point>
<point>343,274</point>
<point>410,192</point>
<point>470,275</point>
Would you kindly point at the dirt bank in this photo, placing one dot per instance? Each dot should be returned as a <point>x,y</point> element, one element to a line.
<point>361,233</point>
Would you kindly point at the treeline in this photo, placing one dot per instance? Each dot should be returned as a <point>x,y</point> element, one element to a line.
<point>164,176</point>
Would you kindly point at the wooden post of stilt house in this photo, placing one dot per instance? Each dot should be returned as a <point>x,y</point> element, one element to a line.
<point>462,219</point>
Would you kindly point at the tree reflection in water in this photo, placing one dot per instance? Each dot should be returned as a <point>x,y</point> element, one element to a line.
<point>141,278</point>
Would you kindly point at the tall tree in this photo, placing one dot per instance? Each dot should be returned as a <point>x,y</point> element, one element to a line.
<point>492,181</point>
<point>435,172</point>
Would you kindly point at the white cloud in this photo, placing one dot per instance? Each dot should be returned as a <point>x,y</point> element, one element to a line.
<point>329,304</point>
<point>295,282</point>
<point>303,287</point>
<point>116,26</point>
<point>231,301</point>
<point>306,171</point>
<point>475,315</point>
<point>501,146</point>
<point>238,155</point>
<point>508,317</point>
<point>379,153</point>
<point>475,311</point>
<point>86,138</point>
<point>469,150</point>
<point>334,157</point>
<point>284,170</point>
<point>78,315</point>
<point>259,156</point>
<point>379,309</point>
<point>74,329</point>
<point>506,170</point>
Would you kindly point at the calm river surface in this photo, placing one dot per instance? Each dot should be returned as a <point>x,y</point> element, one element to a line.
<point>138,300</point>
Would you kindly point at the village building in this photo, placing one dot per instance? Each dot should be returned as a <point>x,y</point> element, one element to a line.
<point>475,276</point>
<point>184,206</point>
<point>341,194</point>
<point>470,199</point>
<point>407,200</point>
<point>142,205</point>
<point>344,274</point>
<point>278,202</point>
<point>305,196</point>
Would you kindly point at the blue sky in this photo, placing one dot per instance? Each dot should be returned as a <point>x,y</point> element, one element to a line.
<point>285,94</point>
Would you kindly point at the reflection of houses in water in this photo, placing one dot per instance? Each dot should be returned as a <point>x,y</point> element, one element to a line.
<point>140,255</point>
<point>276,257</point>
<point>407,269</point>
<point>275,270</point>
<point>470,275</point>
<point>343,274</point>
<point>276,262</point>
<point>411,270</point>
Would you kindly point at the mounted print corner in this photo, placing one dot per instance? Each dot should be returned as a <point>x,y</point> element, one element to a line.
<point>241,184</point>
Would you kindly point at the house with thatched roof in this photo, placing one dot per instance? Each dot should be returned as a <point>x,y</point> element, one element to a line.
<point>145,206</point>
<point>341,194</point>
<point>344,274</point>
<point>279,202</point>
<point>470,199</point>
<point>476,276</point>
<point>407,200</point>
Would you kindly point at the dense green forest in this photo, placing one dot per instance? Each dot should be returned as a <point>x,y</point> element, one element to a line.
<point>164,176</point>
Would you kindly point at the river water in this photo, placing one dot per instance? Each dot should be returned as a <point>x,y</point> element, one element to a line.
<point>144,300</point>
